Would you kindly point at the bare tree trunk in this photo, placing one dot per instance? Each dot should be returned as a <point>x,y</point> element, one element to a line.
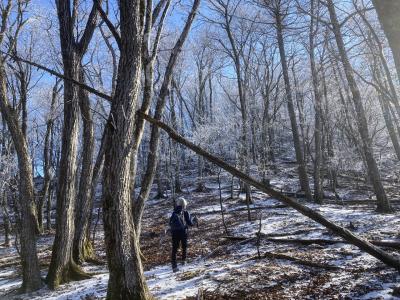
<point>175,147</point>
<point>160,184</point>
<point>82,248</point>
<point>127,279</point>
<point>62,266</point>
<point>95,177</point>
<point>302,169</point>
<point>220,203</point>
<point>48,208</point>
<point>47,156</point>
<point>318,192</point>
<point>373,172</point>
<point>6,219</point>
<point>29,227</point>
<point>245,135</point>
<point>51,186</point>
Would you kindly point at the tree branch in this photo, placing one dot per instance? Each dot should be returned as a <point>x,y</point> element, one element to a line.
<point>109,24</point>
<point>59,75</point>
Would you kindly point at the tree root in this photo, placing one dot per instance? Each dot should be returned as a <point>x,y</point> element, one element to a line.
<point>69,272</point>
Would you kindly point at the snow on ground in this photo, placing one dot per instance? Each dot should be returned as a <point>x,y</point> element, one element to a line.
<point>229,269</point>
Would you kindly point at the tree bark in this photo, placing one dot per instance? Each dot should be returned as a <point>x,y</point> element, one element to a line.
<point>127,279</point>
<point>51,186</point>
<point>31,280</point>
<point>82,248</point>
<point>6,219</point>
<point>318,192</point>
<point>44,194</point>
<point>62,266</point>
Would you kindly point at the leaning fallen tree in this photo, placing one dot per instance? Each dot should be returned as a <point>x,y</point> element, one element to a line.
<point>361,243</point>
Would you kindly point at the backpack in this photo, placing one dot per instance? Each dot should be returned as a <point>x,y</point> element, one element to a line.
<point>177,222</point>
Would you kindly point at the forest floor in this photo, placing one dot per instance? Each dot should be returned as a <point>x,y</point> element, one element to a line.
<point>227,266</point>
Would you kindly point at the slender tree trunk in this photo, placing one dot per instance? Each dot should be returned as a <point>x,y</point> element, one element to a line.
<point>303,177</point>
<point>29,227</point>
<point>95,177</point>
<point>51,186</point>
<point>6,219</point>
<point>373,172</point>
<point>175,146</point>
<point>82,247</point>
<point>220,203</point>
<point>47,157</point>
<point>318,192</point>
<point>244,145</point>
<point>265,136</point>
<point>48,208</point>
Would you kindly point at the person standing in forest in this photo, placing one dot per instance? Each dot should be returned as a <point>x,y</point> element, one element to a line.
<point>179,223</point>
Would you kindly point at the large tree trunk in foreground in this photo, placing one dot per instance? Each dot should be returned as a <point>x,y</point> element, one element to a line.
<point>302,169</point>
<point>29,227</point>
<point>82,247</point>
<point>127,279</point>
<point>362,123</point>
<point>347,235</point>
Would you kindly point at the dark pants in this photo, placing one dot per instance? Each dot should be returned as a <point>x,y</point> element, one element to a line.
<point>178,238</point>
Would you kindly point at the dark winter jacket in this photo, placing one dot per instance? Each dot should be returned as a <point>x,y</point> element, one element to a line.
<point>180,220</point>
